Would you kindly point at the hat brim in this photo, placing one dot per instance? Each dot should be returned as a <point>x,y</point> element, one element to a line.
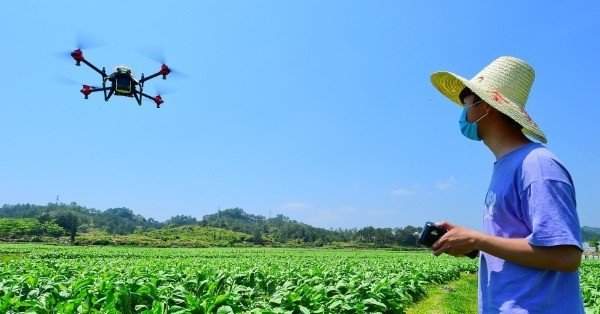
<point>450,85</point>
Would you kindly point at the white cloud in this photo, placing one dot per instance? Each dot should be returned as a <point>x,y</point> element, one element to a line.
<point>354,187</point>
<point>402,192</point>
<point>347,210</point>
<point>326,217</point>
<point>296,205</point>
<point>381,213</point>
<point>447,184</point>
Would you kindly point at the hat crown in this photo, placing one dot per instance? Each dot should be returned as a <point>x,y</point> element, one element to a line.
<point>509,76</point>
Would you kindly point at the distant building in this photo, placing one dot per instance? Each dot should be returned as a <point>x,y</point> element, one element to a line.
<point>587,247</point>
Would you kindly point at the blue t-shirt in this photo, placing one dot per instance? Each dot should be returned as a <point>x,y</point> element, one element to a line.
<point>531,196</point>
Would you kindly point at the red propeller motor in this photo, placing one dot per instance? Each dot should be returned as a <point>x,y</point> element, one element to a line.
<point>86,90</point>
<point>164,70</point>
<point>77,54</point>
<point>158,100</point>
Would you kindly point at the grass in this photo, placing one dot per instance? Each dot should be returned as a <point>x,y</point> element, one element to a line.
<point>456,297</point>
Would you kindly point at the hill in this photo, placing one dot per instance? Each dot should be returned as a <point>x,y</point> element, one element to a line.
<point>230,227</point>
<point>185,236</point>
<point>122,226</point>
<point>590,232</point>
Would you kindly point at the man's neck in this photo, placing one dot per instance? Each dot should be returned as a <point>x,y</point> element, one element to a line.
<point>502,145</point>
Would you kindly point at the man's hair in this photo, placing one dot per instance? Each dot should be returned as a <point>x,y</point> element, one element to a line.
<point>468,92</point>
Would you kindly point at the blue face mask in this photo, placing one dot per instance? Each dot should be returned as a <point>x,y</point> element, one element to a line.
<point>469,129</point>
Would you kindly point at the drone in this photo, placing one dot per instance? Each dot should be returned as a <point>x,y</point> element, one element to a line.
<point>122,81</point>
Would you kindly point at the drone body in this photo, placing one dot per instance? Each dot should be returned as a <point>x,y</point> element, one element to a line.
<point>122,81</point>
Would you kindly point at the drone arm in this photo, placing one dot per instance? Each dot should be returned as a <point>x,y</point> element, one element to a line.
<point>107,97</point>
<point>94,68</point>
<point>87,90</point>
<point>142,80</point>
<point>147,96</point>
<point>164,71</point>
<point>98,89</point>
<point>157,99</point>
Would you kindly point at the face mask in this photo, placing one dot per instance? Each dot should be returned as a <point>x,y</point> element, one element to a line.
<point>469,129</point>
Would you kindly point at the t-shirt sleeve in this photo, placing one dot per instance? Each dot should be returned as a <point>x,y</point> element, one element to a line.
<point>549,210</point>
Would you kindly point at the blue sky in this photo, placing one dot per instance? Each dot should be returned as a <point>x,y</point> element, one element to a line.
<point>319,110</point>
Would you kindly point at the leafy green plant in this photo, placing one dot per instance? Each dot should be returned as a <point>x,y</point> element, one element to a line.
<point>235,280</point>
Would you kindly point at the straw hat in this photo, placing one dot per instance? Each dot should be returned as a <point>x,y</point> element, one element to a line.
<point>504,84</point>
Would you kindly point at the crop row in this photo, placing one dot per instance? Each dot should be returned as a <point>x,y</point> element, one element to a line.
<point>135,280</point>
<point>590,285</point>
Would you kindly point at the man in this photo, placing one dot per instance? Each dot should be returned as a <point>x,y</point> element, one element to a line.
<point>531,245</point>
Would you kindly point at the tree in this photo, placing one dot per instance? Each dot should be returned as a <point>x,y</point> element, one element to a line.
<point>594,243</point>
<point>407,236</point>
<point>181,220</point>
<point>118,220</point>
<point>50,228</point>
<point>44,217</point>
<point>70,222</point>
<point>257,237</point>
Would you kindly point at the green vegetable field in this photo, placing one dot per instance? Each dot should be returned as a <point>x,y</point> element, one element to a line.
<point>59,279</point>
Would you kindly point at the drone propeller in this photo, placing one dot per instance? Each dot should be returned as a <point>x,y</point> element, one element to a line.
<point>85,89</point>
<point>82,41</point>
<point>157,55</point>
<point>154,53</point>
<point>158,98</point>
<point>87,41</point>
<point>68,81</point>
<point>163,91</point>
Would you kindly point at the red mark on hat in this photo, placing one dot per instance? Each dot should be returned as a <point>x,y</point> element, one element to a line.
<point>525,114</point>
<point>498,97</point>
<point>480,78</point>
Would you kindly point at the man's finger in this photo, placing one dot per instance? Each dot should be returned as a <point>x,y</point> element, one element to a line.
<point>438,244</point>
<point>444,224</point>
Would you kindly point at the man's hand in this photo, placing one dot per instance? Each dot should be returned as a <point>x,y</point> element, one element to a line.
<point>459,240</point>
<point>456,242</point>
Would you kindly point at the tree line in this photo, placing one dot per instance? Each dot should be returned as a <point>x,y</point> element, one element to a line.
<point>281,229</point>
<point>60,219</point>
<point>27,221</point>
